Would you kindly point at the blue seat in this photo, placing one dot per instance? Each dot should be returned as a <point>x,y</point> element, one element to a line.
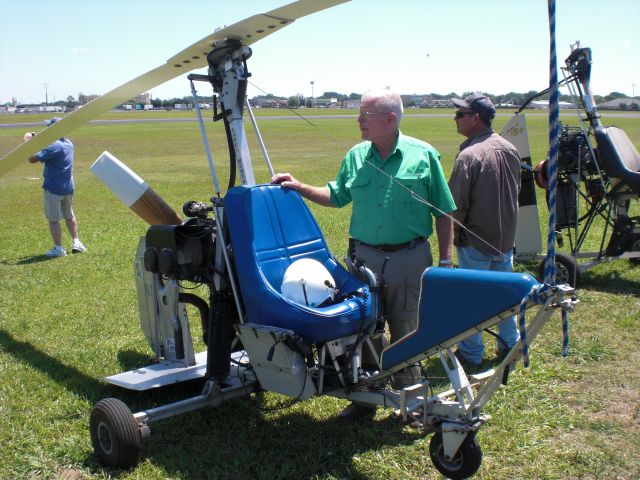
<point>453,301</point>
<point>270,227</point>
<point>619,157</point>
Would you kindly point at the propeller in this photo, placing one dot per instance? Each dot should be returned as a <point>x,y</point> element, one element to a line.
<point>133,191</point>
<point>248,31</point>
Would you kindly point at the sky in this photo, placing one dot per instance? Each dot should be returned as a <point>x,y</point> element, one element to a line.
<point>50,50</point>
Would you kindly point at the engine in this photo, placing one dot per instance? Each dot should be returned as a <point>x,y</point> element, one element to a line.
<point>575,164</point>
<point>183,252</point>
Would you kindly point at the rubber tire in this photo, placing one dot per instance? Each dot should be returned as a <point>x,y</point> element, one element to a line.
<point>466,461</point>
<point>567,270</point>
<point>115,435</point>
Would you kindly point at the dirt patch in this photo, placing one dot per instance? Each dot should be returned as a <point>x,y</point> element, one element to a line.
<point>69,474</point>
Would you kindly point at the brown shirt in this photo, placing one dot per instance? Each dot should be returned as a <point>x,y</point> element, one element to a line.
<point>484,183</point>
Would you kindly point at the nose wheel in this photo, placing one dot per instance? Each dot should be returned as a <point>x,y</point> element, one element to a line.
<point>464,463</point>
<point>115,434</point>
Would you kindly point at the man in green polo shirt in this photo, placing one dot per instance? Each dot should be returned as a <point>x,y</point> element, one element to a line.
<point>396,186</point>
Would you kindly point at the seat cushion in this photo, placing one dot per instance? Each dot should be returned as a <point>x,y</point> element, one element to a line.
<point>453,301</point>
<point>618,156</point>
<point>271,227</point>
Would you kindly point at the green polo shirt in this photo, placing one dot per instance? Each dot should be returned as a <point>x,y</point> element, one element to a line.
<point>389,197</point>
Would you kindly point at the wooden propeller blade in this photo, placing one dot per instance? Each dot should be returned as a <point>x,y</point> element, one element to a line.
<point>133,191</point>
<point>249,31</point>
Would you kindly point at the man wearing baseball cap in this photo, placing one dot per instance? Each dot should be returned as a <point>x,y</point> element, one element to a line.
<point>58,189</point>
<point>485,182</point>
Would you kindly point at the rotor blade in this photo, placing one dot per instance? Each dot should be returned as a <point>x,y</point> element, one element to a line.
<point>81,116</point>
<point>249,31</point>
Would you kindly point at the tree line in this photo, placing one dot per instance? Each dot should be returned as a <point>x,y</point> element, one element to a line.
<point>515,98</point>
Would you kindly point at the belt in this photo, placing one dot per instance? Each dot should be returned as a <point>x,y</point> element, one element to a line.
<point>386,247</point>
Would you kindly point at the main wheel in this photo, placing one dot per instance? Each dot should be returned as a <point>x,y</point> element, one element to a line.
<point>115,435</point>
<point>567,269</point>
<point>465,462</point>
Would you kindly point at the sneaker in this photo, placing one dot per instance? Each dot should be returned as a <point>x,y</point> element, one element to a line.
<point>78,247</point>
<point>56,252</point>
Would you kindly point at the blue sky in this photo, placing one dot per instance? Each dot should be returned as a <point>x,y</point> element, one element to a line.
<point>414,46</point>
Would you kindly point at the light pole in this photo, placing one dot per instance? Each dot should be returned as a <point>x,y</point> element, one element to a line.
<point>312,82</point>
<point>633,90</point>
<point>46,93</point>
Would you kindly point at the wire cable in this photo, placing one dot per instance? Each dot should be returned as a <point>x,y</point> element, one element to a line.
<point>413,194</point>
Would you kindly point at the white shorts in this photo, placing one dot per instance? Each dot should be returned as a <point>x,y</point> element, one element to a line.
<point>57,207</point>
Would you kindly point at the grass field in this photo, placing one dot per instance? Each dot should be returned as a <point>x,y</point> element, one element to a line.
<point>66,323</point>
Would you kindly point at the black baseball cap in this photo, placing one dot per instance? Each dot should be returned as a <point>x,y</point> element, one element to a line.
<point>479,103</point>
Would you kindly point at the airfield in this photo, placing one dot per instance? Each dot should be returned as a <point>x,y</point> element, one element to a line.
<point>66,323</point>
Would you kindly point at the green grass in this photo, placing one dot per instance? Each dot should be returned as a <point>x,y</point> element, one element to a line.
<point>66,323</point>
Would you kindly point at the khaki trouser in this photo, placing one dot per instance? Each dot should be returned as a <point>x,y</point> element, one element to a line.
<point>57,207</point>
<point>402,275</point>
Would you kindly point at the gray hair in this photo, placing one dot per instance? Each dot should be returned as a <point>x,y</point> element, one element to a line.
<point>386,99</point>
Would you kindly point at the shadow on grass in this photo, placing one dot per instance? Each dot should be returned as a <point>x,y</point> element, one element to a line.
<point>69,377</point>
<point>28,260</point>
<point>610,282</point>
<point>131,359</point>
<point>240,441</point>
<point>86,386</point>
<point>263,436</point>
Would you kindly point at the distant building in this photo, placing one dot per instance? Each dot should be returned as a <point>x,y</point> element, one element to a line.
<point>267,102</point>
<point>621,104</point>
<point>545,104</point>
<point>351,104</point>
<point>438,103</point>
<point>143,99</point>
<point>325,102</point>
<point>413,100</point>
<point>49,108</point>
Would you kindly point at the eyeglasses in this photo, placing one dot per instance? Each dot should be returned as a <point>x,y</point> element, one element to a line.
<point>462,114</point>
<point>366,115</point>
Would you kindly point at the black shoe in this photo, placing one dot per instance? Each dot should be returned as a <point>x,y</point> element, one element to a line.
<point>463,360</point>
<point>354,411</point>
<point>500,354</point>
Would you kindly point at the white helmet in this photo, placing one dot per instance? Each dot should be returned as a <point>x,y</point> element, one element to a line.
<point>308,282</point>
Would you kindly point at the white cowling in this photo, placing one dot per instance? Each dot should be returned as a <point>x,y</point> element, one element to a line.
<point>308,282</point>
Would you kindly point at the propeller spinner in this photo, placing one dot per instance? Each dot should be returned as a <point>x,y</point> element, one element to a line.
<point>247,31</point>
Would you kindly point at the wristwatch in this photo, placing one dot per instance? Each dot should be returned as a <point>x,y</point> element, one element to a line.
<point>445,262</point>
